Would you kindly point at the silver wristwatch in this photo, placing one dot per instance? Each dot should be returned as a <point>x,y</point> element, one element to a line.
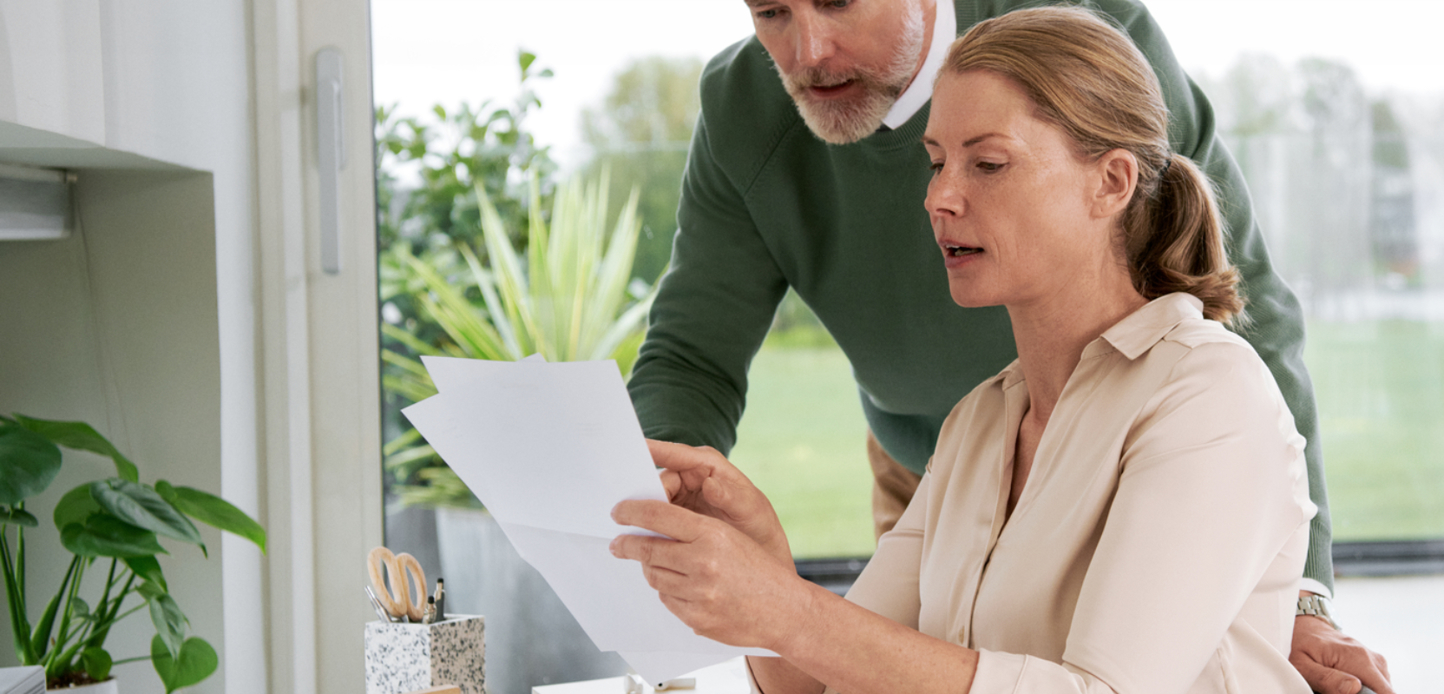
<point>1316,606</point>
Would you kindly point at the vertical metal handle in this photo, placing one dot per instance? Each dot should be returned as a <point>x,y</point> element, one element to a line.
<point>331,155</point>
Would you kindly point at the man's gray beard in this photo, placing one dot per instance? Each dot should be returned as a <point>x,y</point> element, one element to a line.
<point>843,121</point>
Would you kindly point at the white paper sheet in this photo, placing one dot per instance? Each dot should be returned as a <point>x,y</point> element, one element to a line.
<point>550,449</point>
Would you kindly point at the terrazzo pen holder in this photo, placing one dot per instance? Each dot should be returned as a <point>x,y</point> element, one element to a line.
<point>406,657</point>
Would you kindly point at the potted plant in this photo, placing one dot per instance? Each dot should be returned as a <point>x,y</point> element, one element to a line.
<point>570,296</point>
<point>113,525</point>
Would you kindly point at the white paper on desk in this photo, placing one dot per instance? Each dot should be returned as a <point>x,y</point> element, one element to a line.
<point>550,449</point>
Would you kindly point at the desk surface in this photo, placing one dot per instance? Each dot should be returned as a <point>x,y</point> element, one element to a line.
<point>724,678</point>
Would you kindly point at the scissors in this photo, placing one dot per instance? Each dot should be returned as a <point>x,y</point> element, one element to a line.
<point>406,599</point>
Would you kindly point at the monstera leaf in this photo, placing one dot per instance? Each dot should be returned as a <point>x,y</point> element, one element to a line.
<point>28,463</point>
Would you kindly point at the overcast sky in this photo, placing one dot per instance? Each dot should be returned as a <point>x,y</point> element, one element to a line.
<point>446,51</point>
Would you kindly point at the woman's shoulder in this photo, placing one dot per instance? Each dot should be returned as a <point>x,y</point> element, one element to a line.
<point>1204,347</point>
<point>1196,331</point>
<point>1215,378</point>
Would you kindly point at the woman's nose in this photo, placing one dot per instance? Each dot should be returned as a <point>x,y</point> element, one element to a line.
<point>944,195</point>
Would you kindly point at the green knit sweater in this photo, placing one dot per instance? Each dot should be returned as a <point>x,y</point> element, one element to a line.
<point>766,205</point>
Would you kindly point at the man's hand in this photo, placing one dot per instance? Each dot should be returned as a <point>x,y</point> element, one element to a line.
<point>1333,663</point>
<point>703,481</point>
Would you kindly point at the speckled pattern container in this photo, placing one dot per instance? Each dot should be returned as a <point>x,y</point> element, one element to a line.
<point>403,658</point>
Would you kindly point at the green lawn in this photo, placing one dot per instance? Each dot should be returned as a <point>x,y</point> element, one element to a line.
<point>1380,388</point>
<point>803,442</point>
<point>1380,391</point>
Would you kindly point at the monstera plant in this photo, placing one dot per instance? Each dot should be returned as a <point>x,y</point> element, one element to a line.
<point>112,525</point>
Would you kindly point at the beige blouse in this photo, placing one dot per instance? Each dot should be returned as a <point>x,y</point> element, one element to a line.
<point>1158,543</point>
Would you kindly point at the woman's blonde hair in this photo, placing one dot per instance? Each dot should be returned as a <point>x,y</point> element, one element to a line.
<point>1088,78</point>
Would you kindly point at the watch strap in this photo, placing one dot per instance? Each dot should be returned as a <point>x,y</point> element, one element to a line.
<point>1316,606</point>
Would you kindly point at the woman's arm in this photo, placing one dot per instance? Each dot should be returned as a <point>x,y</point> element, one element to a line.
<point>727,573</point>
<point>728,588</point>
<point>1212,491</point>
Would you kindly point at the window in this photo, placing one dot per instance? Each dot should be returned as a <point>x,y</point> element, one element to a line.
<point>1337,120</point>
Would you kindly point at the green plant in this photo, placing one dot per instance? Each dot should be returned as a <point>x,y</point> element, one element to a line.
<point>428,171</point>
<point>428,168</point>
<point>571,298</point>
<point>119,519</point>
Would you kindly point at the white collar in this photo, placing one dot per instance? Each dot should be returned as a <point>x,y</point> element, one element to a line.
<point>945,29</point>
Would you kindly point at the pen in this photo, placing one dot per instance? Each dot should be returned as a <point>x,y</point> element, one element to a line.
<point>440,597</point>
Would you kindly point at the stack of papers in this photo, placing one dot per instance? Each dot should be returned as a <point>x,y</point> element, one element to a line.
<point>22,680</point>
<point>550,449</point>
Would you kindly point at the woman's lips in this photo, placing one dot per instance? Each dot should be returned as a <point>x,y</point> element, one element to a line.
<point>958,255</point>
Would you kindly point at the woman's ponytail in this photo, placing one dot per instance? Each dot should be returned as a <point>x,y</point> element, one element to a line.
<point>1175,242</point>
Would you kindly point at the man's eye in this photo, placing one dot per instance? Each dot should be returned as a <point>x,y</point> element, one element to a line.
<point>767,14</point>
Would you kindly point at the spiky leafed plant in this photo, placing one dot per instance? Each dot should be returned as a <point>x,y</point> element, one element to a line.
<point>571,298</point>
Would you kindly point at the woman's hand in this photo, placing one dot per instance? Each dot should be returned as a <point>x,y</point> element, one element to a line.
<point>716,579</point>
<point>703,481</point>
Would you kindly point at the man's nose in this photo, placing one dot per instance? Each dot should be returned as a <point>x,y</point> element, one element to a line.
<point>814,40</point>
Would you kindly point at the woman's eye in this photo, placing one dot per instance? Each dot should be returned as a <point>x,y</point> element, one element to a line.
<point>767,14</point>
<point>989,166</point>
<point>935,167</point>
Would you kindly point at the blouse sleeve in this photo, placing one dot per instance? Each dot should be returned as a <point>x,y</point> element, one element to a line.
<point>889,583</point>
<point>1212,492</point>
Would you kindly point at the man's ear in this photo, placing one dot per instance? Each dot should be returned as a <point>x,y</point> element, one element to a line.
<point>1117,176</point>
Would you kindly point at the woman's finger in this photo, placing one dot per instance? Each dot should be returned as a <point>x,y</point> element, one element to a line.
<point>659,517</point>
<point>684,458</point>
<point>671,483</point>
<point>650,551</point>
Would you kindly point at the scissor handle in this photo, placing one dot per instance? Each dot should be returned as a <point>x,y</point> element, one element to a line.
<point>414,590</point>
<point>393,600</point>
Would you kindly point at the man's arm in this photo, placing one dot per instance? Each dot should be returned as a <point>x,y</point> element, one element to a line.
<point>711,314</point>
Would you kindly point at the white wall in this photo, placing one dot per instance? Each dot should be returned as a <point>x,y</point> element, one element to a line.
<point>116,326</point>
<point>168,81</point>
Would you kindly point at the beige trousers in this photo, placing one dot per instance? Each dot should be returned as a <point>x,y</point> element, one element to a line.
<point>892,487</point>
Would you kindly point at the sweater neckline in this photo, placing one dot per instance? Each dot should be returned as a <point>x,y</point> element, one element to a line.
<point>909,134</point>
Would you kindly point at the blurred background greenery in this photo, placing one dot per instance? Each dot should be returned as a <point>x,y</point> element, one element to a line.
<point>1348,186</point>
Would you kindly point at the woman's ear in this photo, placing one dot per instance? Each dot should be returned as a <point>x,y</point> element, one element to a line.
<point>1117,172</point>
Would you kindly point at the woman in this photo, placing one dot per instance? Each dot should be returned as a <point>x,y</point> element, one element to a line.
<point>1122,509</point>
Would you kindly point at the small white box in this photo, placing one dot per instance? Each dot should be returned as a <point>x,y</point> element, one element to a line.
<point>403,658</point>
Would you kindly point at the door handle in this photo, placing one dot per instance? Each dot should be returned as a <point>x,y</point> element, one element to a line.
<point>331,154</point>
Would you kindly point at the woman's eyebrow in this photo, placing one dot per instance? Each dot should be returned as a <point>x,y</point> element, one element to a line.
<point>980,138</point>
<point>928,141</point>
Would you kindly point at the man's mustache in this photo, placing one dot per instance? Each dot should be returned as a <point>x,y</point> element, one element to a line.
<point>820,77</point>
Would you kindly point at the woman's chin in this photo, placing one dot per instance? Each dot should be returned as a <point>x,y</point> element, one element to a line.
<point>971,297</point>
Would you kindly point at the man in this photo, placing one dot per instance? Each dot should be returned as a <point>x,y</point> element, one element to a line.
<point>816,181</point>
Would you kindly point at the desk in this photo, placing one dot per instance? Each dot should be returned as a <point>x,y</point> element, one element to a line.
<point>723,678</point>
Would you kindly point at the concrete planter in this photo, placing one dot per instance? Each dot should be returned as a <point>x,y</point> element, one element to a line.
<point>531,638</point>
